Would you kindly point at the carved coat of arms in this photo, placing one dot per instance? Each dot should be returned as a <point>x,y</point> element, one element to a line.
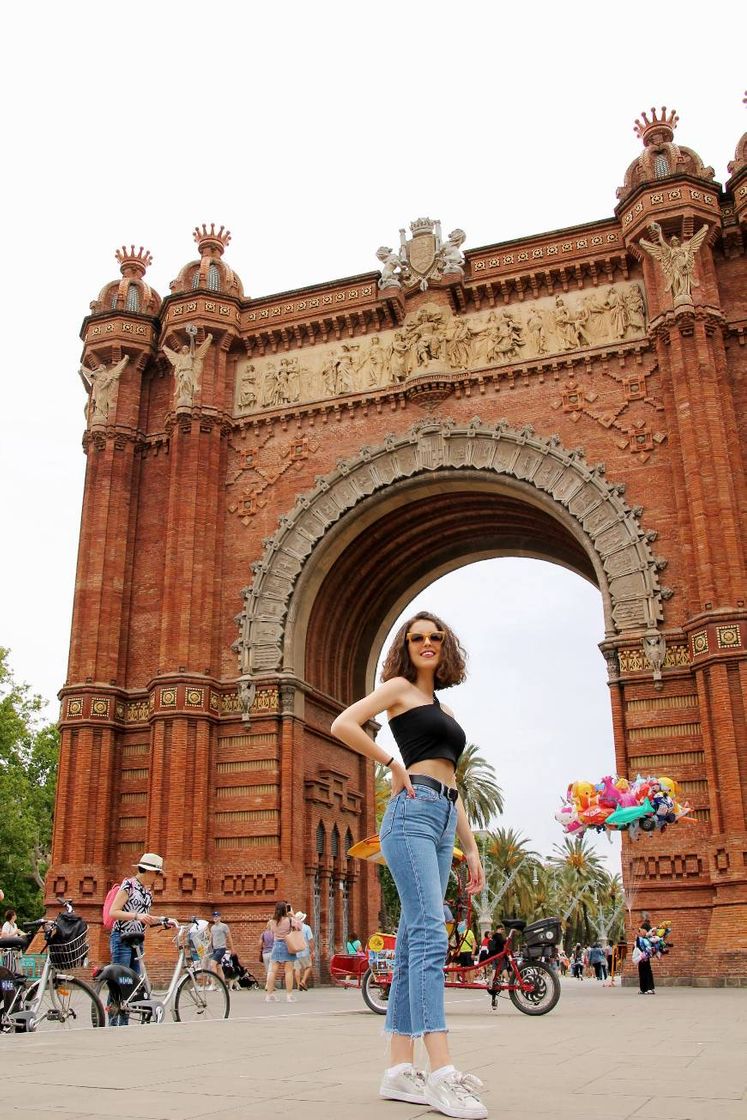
<point>422,258</point>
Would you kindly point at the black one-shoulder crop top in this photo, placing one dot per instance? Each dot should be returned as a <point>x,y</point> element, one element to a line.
<point>427,732</point>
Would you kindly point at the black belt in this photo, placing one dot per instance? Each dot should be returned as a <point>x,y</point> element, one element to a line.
<point>433,783</point>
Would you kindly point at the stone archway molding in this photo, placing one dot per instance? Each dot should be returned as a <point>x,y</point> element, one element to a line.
<point>610,528</point>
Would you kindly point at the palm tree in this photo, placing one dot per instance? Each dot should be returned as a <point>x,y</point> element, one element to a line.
<point>481,795</point>
<point>511,869</point>
<point>580,878</point>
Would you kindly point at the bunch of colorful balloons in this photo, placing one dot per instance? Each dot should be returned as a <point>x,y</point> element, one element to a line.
<point>615,803</point>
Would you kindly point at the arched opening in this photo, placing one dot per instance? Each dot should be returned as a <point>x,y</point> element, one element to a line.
<point>536,700</point>
<point>367,570</point>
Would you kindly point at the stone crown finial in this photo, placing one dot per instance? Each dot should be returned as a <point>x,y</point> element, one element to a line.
<point>664,124</point>
<point>210,241</point>
<point>133,263</point>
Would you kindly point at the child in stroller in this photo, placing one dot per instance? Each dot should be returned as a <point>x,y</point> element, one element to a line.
<point>236,975</point>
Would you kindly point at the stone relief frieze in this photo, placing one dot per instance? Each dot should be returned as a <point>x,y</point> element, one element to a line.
<point>432,339</point>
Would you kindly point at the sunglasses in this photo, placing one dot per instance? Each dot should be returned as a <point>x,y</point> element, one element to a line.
<point>435,638</point>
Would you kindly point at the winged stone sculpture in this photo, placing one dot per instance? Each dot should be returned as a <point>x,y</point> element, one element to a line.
<point>677,260</point>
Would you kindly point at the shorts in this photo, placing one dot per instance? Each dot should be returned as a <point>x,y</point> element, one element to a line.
<point>217,955</point>
<point>303,960</point>
<point>280,953</point>
<point>466,960</point>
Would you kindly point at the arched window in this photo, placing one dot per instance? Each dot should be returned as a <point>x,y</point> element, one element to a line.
<point>348,841</point>
<point>133,298</point>
<point>321,839</point>
<point>335,843</point>
<point>196,278</point>
<point>661,166</point>
<point>213,278</point>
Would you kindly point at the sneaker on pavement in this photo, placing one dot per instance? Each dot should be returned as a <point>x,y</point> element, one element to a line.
<point>456,1095</point>
<point>407,1085</point>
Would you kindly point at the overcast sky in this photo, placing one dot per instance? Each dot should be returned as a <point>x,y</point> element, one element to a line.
<point>314,132</point>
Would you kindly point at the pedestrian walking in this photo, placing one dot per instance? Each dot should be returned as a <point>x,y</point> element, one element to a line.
<point>417,840</point>
<point>220,941</point>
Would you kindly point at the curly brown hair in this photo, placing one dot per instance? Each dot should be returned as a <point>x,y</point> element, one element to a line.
<point>452,668</point>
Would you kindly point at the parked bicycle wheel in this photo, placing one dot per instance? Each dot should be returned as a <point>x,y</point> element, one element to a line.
<point>67,1004</point>
<point>375,992</point>
<point>545,991</point>
<point>201,996</point>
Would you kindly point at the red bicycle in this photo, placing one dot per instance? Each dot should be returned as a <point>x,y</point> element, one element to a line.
<point>532,984</point>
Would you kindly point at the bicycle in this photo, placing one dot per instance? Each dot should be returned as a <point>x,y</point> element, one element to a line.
<point>198,995</point>
<point>56,999</point>
<point>532,987</point>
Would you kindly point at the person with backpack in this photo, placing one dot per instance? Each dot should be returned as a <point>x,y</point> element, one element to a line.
<point>130,913</point>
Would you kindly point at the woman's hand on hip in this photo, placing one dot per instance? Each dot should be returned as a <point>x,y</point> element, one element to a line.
<point>476,881</point>
<point>401,780</point>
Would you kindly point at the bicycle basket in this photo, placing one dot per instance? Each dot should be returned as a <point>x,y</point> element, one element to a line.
<point>69,954</point>
<point>544,932</point>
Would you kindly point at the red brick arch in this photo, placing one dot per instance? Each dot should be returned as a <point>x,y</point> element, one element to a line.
<point>596,533</point>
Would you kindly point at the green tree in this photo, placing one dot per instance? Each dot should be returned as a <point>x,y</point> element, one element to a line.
<point>390,905</point>
<point>511,869</point>
<point>29,750</point>
<point>481,795</point>
<point>580,883</point>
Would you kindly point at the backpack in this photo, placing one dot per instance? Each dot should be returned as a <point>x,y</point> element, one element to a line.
<point>106,910</point>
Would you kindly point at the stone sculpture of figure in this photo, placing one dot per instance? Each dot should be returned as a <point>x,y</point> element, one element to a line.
<point>287,387</point>
<point>399,360</point>
<point>507,337</point>
<point>459,344</point>
<point>247,388</point>
<point>426,336</point>
<point>565,325</point>
<point>635,309</point>
<point>187,364</point>
<point>101,382</point>
<point>270,385</point>
<point>372,362</point>
<point>391,268</point>
<point>536,332</point>
<point>451,253</point>
<point>677,260</point>
<point>617,313</point>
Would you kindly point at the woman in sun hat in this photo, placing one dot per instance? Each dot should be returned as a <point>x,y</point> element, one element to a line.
<point>131,909</point>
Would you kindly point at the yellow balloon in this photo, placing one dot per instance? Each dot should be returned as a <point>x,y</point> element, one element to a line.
<point>669,785</point>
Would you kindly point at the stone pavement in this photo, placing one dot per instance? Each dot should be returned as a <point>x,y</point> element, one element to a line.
<point>602,1054</point>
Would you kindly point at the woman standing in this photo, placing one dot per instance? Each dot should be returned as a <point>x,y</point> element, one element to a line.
<point>417,839</point>
<point>131,913</point>
<point>645,972</point>
<point>280,925</point>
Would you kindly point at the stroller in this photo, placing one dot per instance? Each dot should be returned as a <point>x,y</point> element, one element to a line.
<point>236,975</point>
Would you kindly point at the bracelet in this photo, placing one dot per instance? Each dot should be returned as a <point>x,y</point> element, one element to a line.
<point>389,763</point>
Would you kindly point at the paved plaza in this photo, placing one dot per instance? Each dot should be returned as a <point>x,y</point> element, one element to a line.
<point>602,1054</point>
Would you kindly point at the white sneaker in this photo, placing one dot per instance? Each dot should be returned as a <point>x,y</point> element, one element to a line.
<point>456,1095</point>
<point>407,1085</point>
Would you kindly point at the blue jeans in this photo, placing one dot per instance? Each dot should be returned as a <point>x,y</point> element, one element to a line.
<point>121,954</point>
<point>417,839</point>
